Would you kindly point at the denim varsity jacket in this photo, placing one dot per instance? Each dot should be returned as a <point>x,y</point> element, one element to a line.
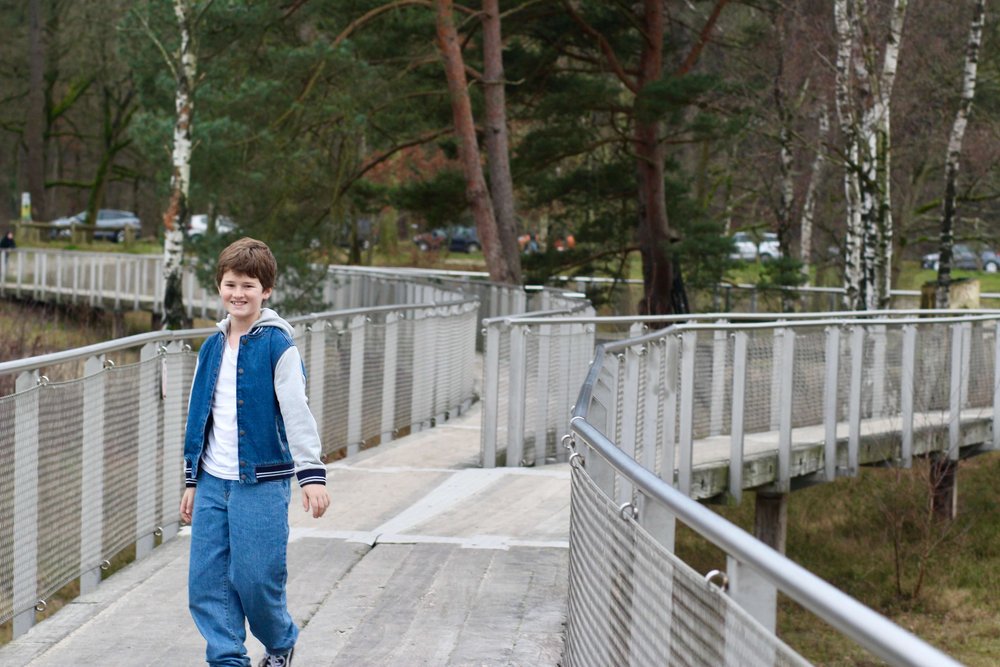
<point>277,434</point>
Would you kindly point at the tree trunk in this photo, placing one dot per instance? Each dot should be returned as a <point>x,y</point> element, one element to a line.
<point>495,138</point>
<point>177,213</point>
<point>35,121</point>
<point>468,147</point>
<point>953,159</point>
<point>864,122</point>
<point>654,233</point>
<point>809,206</point>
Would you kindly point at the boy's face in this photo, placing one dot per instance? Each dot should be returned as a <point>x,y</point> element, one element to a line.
<point>242,296</point>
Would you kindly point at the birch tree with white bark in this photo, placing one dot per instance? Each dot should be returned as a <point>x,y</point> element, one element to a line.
<point>954,156</point>
<point>177,214</point>
<point>863,97</point>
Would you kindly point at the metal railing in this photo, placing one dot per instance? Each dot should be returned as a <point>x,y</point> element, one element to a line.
<point>633,602</point>
<point>703,408</point>
<point>95,458</point>
<point>707,380</point>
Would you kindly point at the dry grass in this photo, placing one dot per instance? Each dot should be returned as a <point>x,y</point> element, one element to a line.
<point>843,532</point>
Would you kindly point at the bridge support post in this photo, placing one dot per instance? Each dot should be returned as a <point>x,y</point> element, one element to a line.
<point>944,486</point>
<point>746,586</point>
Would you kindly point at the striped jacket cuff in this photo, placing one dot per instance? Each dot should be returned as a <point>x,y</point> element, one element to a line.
<point>308,476</point>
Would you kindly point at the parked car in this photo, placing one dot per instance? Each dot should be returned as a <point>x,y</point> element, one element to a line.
<point>464,239</point>
<point>747,248</point>
<point>111,224</point>
<point>198,225</point>
<point>964,257</point>
<point>432,240</point>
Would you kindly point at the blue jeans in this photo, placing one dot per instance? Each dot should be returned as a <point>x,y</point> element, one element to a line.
<point>237,573</point>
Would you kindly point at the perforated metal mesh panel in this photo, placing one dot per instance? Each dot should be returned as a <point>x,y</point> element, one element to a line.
<point>632,602</point>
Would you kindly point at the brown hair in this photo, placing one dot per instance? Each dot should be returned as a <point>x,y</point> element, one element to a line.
<point>249,257</point>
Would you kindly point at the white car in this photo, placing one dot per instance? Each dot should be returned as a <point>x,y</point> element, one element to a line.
<point>199,225</point>
<point>745,247</point>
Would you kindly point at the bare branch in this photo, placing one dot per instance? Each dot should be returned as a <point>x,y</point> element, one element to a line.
<point>703,38</point>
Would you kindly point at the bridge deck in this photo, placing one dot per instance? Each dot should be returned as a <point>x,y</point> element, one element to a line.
<point>423,558</point>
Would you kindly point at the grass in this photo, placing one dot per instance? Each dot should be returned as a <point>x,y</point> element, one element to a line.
<point>844,533</point>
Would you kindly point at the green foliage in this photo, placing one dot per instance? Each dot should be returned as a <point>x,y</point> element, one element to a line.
<point>440,199</point>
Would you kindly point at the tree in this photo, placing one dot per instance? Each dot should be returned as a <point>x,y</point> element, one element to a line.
<point>35,125</point>
<point>476,193</point>
<point>649,87</point>
<point>954,156</point>
<point>496,139</point>
<point>863,110</point>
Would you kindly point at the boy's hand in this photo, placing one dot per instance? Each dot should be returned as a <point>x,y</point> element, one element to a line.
<point>187,504</point>
<point>315,496</point>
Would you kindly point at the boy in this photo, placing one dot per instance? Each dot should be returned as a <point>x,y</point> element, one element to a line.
<point>249,429</point>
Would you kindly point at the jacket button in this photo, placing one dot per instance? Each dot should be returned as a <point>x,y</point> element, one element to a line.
<point>241,371</point>
<point>239,402</point>
<point>243,432</point>
<point>243,477</point>
<point>243,463</point>
<point>243,341</point>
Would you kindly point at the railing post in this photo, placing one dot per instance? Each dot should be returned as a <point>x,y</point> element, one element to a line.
<point>752,592</point>
<point>491,396</point>
<point>653,516</point>
<point>630,413</point>
<point>439,376</point>
<point>25,522</point>
<point>878,370</point>
<point>830,414</point>
<point>740,340</point>
<point>720,350</point>
<point>776,379</point>
<point>356,397</point>
<point>996,385</point>
<point>515,395</point>
<point>176,387</point>
<point>419,396</point>
<point>542,382</point>
<point>92,475</point>
<point>668,460</point>
<point>787,396</point>
<point>689,346</point>
<point>390,354</point>
<point>854,400</point>
<point>316,376</point>
<point>20,272</point>
<point>966,361</point>
<point>955,391</point>
<point>146,446</point>
<point>907,377</point>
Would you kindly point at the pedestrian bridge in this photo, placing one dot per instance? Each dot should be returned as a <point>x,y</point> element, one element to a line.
<point>503,494</point>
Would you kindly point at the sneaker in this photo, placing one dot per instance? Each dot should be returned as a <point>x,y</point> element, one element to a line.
<point>284,660</point>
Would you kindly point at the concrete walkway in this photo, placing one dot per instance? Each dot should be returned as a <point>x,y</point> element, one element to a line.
<point>423,559</point>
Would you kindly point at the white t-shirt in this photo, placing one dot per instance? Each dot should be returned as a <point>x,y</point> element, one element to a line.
<point>221,457</point>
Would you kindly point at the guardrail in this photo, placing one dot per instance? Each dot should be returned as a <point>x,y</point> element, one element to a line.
<point>632,601</point>
<point>707,379</point>
<point>94,460</point>
<point>703,408</point>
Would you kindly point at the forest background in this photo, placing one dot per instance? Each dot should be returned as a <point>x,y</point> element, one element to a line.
<point>314,124</point>
<point>320,124</point>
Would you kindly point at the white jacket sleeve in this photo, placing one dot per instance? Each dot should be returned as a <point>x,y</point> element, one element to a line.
<point>300,425</point>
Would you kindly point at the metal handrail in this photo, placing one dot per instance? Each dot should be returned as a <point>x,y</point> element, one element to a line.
<point>128,342</point>
<point>870,316</point>
<point>862,624</point>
